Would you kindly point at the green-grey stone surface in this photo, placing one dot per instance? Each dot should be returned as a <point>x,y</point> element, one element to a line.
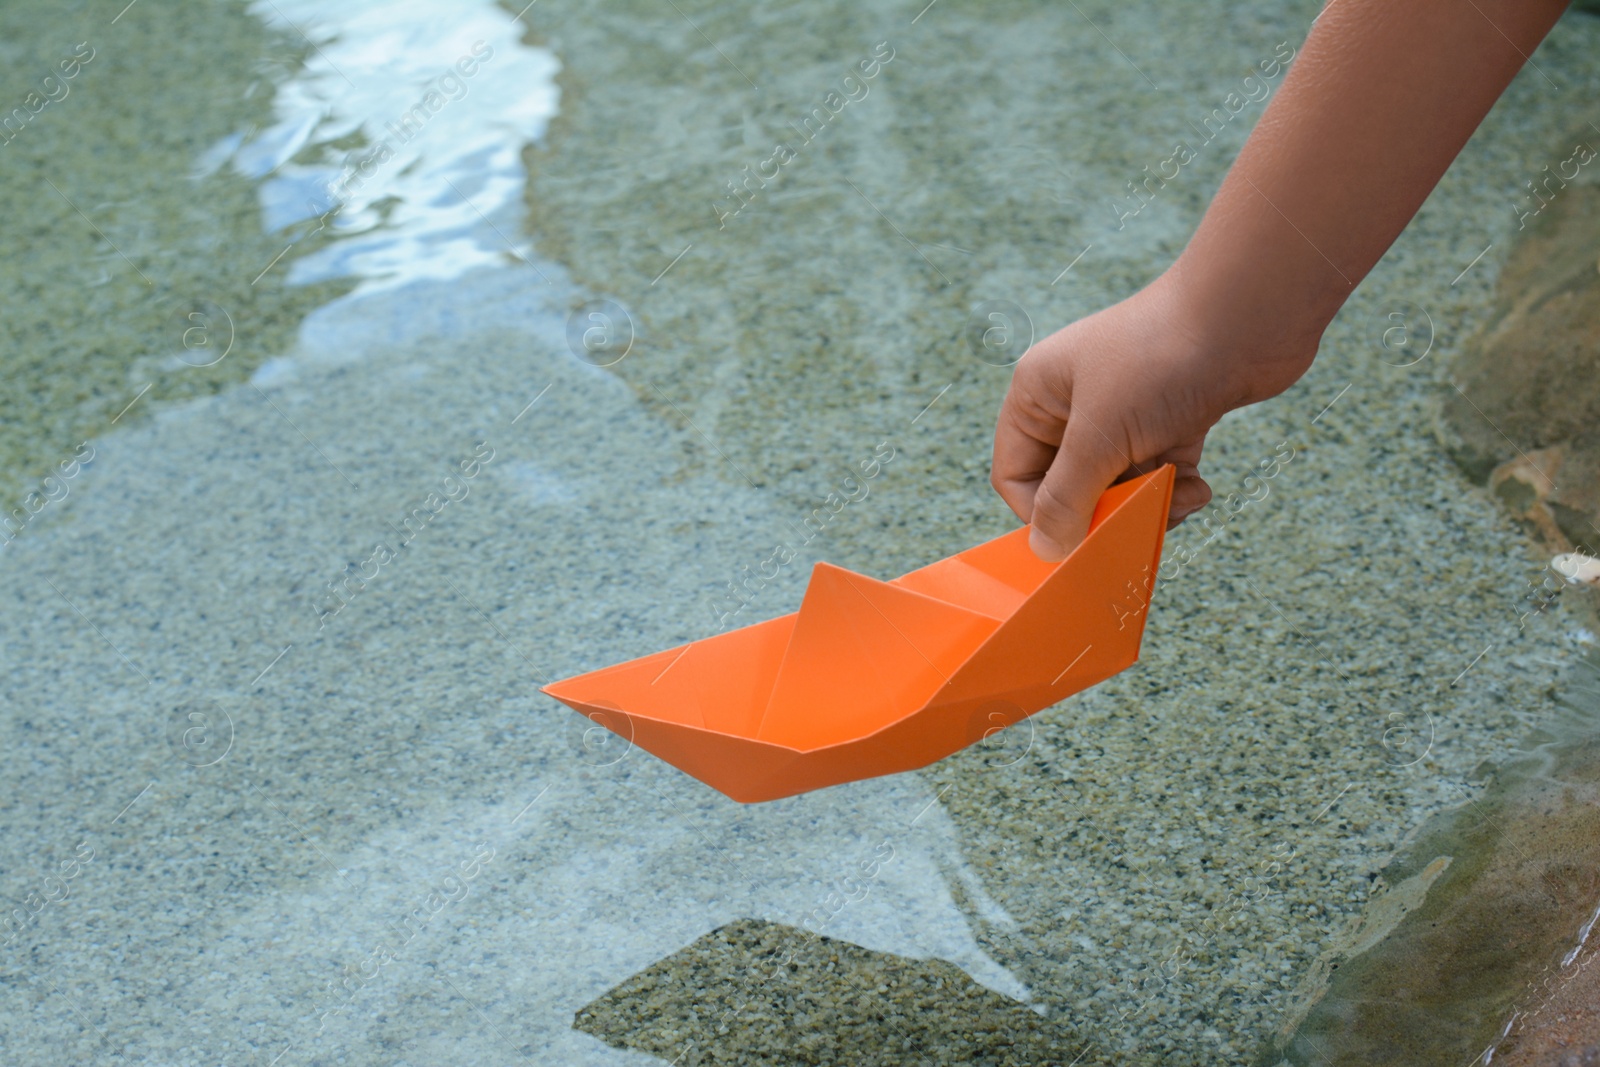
<point>764,993</point>
<point>113,230</point>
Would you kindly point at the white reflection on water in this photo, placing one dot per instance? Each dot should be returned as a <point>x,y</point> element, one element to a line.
<point>430,104</point>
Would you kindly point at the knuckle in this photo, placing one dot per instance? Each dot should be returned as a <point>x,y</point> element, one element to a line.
<point>1049,508</point>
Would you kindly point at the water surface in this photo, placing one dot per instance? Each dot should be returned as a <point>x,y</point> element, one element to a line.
<point>308,826</point>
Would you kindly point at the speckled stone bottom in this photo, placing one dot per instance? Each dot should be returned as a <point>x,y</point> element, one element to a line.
<point>757,992</point>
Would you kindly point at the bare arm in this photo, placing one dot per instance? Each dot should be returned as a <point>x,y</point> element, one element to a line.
<point>1381,99</point>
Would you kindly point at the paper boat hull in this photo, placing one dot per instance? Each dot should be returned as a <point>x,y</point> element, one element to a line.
<point>871,678</point>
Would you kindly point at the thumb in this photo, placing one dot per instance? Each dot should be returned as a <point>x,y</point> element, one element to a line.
<point>1085,465</point>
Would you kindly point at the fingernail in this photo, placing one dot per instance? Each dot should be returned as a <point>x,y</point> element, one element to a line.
<point>1045,547</point>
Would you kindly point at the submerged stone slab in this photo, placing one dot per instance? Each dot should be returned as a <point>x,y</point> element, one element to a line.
<point>1485,938</point>
<point>755,992</point>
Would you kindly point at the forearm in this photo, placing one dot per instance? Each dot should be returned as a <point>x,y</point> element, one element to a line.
<point>1382,97</point>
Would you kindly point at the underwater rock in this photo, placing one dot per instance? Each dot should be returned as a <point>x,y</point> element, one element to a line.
<point>1589,1057</point>
<point>1489,952</point>
<point>1523,413</point>
<point>1567,1038</point>
<point>756,992</point>
<point>1524,484</point>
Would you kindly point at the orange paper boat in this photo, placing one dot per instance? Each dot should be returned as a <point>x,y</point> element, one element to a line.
<point>871,678</point>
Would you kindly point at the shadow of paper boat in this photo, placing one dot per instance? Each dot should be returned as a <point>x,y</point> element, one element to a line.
<point>871,678</point>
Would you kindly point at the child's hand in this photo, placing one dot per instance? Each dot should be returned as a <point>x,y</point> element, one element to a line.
<point>1120,393</point>
<point>1382,97</point>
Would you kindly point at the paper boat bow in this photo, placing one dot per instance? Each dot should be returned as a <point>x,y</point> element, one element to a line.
<point>871,678</point>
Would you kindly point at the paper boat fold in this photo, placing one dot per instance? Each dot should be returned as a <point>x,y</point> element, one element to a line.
<point>871,678</point>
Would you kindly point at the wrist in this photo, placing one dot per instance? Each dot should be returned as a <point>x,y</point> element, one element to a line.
<point>1257,328</point>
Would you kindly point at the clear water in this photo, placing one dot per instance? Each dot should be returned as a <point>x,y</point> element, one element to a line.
<point>276,310</point>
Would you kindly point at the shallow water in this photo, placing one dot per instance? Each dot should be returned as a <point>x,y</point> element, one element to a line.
<point>249,820</point>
